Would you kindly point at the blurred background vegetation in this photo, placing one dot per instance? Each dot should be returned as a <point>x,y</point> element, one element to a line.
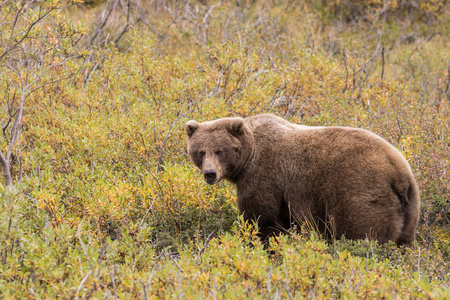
<point>98,197</point>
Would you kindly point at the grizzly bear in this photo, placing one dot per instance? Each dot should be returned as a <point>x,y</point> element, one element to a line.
<point>346,181</point>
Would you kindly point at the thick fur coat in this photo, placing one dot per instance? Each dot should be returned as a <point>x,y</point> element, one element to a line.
<point>344,181</point>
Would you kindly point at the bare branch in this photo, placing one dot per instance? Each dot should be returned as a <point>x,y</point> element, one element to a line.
<point>47,83</point>
<point>346,70</point>
<point>382,63</point>
<point>5,166</point>
<point>25,34</point>
<point>82,283</point>
<point>28,56</point>
<point>127,25</point>
<point>447,91</point>
<point>104,20</point>
<point>206,243</point>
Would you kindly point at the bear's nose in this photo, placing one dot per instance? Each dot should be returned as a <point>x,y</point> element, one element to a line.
<point>210,176</point>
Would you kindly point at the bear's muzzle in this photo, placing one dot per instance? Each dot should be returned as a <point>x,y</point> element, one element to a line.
<point>210,176</point>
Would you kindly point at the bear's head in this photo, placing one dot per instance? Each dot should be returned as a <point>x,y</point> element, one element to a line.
<point>220,148</point>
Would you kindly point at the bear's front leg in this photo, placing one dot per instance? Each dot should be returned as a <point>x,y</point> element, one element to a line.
<point>267,212</point>
<point>268,228</point>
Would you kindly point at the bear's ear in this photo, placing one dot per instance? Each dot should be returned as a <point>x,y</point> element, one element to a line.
<point>191,127</point>
<point>236,126</point>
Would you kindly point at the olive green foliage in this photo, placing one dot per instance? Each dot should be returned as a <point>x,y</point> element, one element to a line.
<point>106,203</point>
<point>35,41</point>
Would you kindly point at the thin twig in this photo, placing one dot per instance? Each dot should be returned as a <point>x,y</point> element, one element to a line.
<point>147,212</point>
<point>111,274</point>
<point>82,283</point>
<point>277,92</point>
<point>144,289</point>
<point>418,264</point>
<point>287,289</point>
<point>104,20</point>
<point>199,256</point>
<point>447,88</point>
<point>127,25</point>
<point>152,274</point>
<point>346,71</point>
<point>27,32</point>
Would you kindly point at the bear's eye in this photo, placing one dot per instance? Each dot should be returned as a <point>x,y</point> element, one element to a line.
<point>201,153</point>
<point>236,149</point>
<point>218,152</point>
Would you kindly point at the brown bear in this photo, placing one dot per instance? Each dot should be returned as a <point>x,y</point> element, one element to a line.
<point>347,181</point>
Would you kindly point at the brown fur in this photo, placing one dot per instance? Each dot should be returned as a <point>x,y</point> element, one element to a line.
<point>348,179</point>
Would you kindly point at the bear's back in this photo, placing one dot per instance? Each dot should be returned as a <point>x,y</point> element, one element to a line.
<point>291,147</point>
<point>267,127</point>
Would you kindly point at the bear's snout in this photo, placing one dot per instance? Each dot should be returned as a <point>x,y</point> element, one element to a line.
<point>210,176</point>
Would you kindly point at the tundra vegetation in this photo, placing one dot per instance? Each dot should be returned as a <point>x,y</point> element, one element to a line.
<point>99,199</point>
